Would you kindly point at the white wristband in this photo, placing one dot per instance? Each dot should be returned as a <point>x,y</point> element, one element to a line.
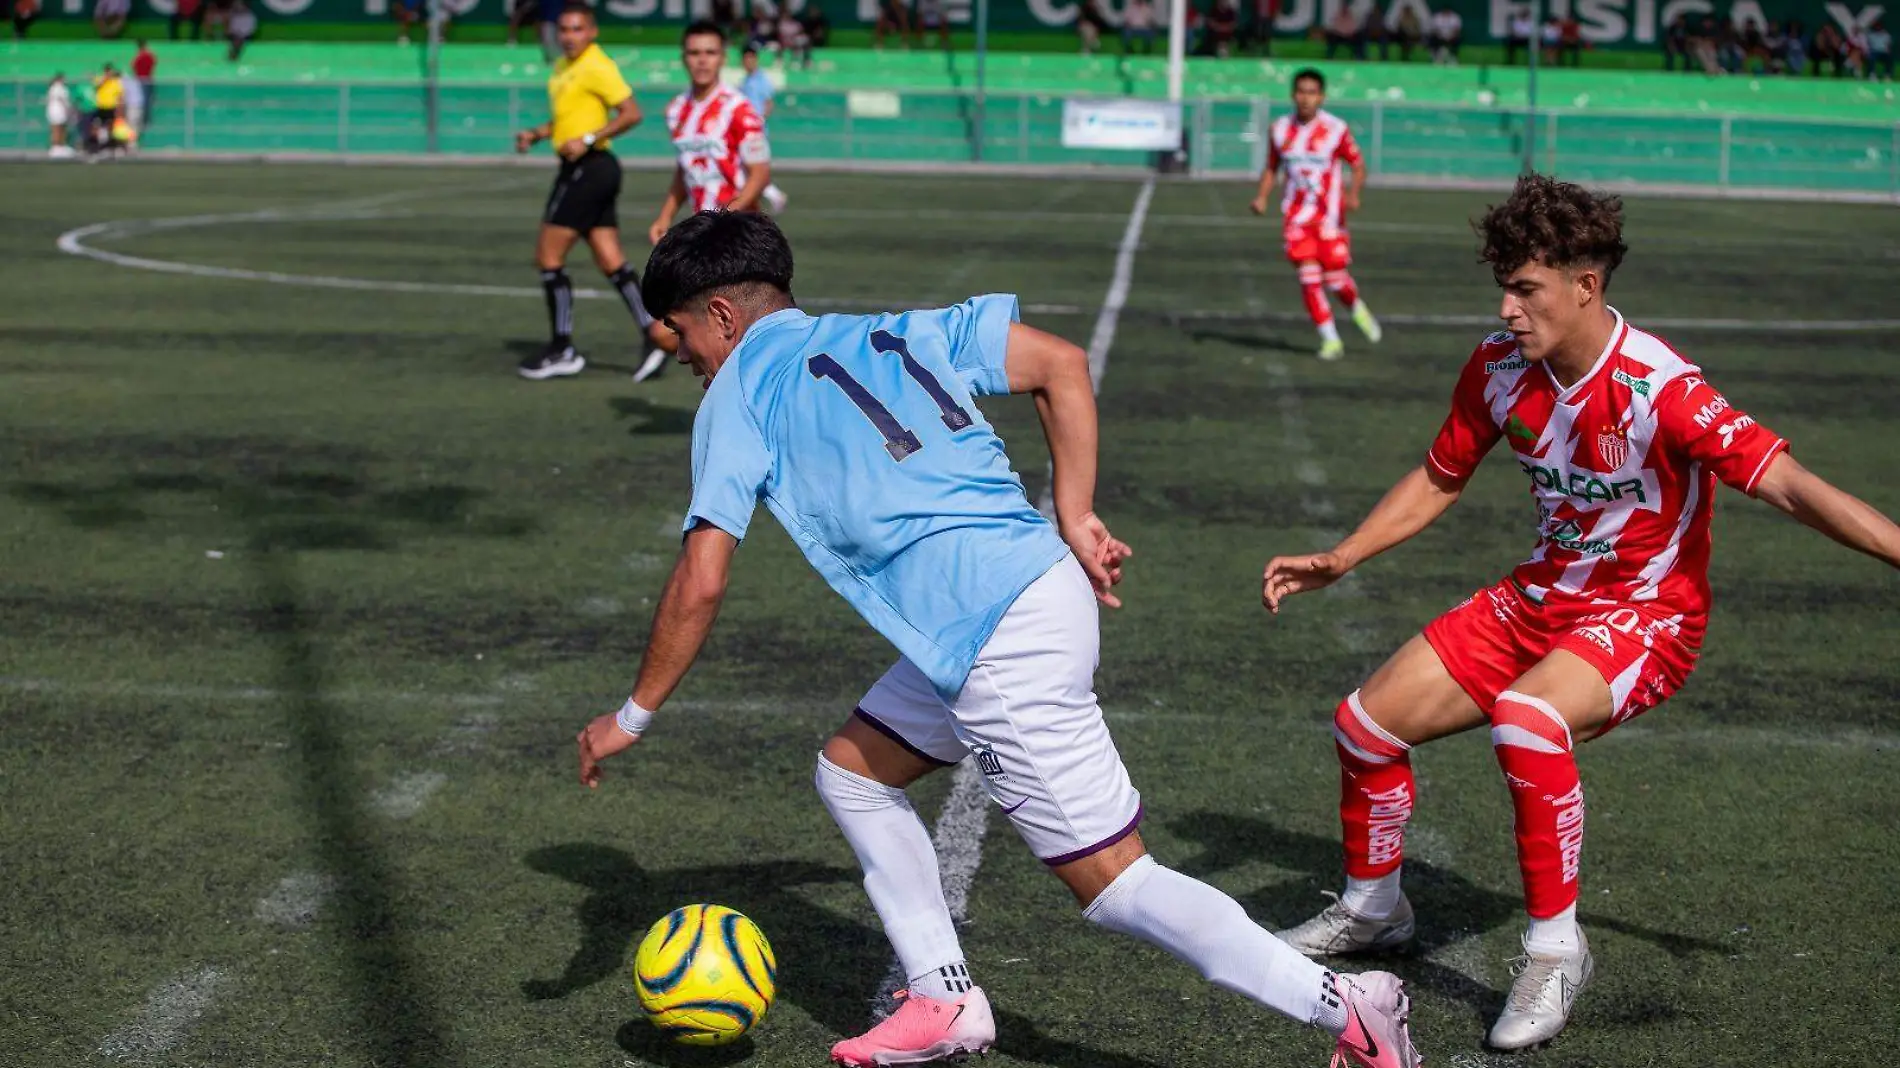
<point>632,718</point>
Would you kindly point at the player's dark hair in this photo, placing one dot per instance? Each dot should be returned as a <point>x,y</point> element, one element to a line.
<point>702,28</point>
<point>1558,224</point>
<point>577,7</point>
<point>715,250</point>
<point>1309,74</point>
<point>750,50</point>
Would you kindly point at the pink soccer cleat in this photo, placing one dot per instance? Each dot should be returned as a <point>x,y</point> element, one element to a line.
<point>1378,1031</point>
<point>923,1029</point>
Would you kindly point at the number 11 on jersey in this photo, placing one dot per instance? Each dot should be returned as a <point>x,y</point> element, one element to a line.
<point>899,440</point>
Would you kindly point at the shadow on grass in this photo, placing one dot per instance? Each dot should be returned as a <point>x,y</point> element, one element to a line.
<point>829,966</point>
<point>650,418</point>
<point>280,510</point>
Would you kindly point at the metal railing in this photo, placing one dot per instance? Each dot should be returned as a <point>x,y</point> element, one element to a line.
<point>1400,140</point>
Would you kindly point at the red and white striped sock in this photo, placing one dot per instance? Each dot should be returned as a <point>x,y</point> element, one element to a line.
<point>1376,792</point>
<point>1534,748</point>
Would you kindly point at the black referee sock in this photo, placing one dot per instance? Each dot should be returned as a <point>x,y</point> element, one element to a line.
<point>627,281</point>
<point>560,291</point>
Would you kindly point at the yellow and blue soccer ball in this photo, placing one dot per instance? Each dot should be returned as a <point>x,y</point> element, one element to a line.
<point>705,975</point>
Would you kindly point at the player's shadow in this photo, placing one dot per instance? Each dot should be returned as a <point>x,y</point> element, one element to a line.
<point>646,417</point>
<point>277,509</point>
<point>828,965</point>
<point>1246,339</point>
<point>1452,909</point>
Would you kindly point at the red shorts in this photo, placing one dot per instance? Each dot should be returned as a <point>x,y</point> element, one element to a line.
<point>1498,634</point>
<point>1304,244</point>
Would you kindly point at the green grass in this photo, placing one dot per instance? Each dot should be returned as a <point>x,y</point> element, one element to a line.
<point>430,567</point>
<point>1052,41</point>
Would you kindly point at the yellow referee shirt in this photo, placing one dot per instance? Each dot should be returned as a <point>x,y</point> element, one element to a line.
<point>581,93</point>
<point>107,94</point>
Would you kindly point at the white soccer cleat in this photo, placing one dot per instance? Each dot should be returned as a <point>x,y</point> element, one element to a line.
<point>776,199</point>
<point>1541,997</point>
<point>651,366</point>
<point>1338,930</point>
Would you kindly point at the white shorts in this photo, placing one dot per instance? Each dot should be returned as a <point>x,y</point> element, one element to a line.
<point>1028,715</point>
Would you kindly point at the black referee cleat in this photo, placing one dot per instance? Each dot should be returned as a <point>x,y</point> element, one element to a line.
<point>554,361</point>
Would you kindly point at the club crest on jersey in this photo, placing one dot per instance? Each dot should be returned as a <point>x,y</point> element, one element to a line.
<point>988,762</point>
<point>1613,447</point>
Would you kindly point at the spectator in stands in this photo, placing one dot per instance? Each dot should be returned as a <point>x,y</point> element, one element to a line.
<point>891,18</point>
<point>216,14</point>
<point>239,27</point>
<point>1138,24</point>
<point>1570,40</point>
<point>1223,28</point>
<point>59,116</point>
<point>929,16</point>
<point>1376,32</point>
<point>1880,51</point>
<point>1090,23</point>
<point>108,17</point>
<point>816,26</point>
<point>521,15</point>
<point>762,32</point>
<point>1448,33</point>
<point>1854,55</point>
<point>185,12</point>
<point>1518,36</point>
<point>144,66</point>
<point>1408,34</point>
<point>1702,47</point>
<point>792,42</point>
<point>1828,47</point>
<point>725,15</point>
<point>1260,31</point>
<point>1794,46</point>
<point>1549,36</point>
<point>1343,31</point>
<point>1675,43</point>
<point>406,13</point>
<point>1774,46</point>
<point>1728,47</point>
<point>24,14</point>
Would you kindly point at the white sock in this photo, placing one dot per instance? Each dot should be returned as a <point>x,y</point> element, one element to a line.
<point>1556,936</point>
<point>900,873</point>
<point>1210,931</point>
<point>947,983</point>
<point>1373,898</point>
<point>1329,331</point>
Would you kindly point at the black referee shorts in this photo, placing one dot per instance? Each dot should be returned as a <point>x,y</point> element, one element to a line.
<point>584,193</point>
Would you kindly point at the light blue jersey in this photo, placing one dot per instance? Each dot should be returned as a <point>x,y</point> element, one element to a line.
<point>860,434</point>
<point>757,88</point>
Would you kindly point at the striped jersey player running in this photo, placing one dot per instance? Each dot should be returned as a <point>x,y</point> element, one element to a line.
<point>1312,145</point>
<point>1623,442</point>
<point>725,161</point>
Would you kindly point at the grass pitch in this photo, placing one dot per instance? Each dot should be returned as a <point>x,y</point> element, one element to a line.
<point>304,595</point>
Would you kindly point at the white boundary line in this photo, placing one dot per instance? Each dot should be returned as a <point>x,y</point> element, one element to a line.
<point>170,1010</point>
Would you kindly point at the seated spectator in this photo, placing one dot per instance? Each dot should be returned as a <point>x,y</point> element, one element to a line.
<point>1375,32</point>
<point>1408,34</point>
<point>1343,31</point>
<point>1138,23</point>
<point>240,26</point>
<point>929,18</point>
<point>1448,33</point>
<point>1774,44</point>
<point>1675,43</point>
<point>1522,31</point>
<point>1728,47</point>
<point>1854,54</point>
<point>1754,46</point>
<point>108,17</point>
<point>1549,36</point>
<point>1796,46</point>
<point>25,12</point>
<point>1880,51</point>
<point>1223,27</point>
<point>1089,24</point>
<point>1828,47</point>
<point>891,18</point>
<point>1570,40</point>
<point>792,41</point>
<point>1259,32</point>
<point>1702,47</point>
<point>762,32</point>
<point>817,28</point>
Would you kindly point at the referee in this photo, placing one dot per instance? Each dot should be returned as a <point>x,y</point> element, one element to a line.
<point>591,104</point>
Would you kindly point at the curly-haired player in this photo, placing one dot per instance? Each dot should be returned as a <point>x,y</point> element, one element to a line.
<point>1623,442</point>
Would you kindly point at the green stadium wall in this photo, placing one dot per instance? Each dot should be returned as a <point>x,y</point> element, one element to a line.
<point>1605,23</point>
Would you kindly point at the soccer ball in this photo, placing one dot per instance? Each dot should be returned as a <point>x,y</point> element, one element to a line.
<point>705,975</point>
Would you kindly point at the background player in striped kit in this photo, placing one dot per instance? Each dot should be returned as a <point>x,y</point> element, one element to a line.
<point>725,161</point>
<point>1311,146</point>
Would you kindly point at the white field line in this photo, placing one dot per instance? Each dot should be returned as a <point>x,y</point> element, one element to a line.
<point>1103,337</point>
<point>170,1010</point>
<point>405,795</point>
<point>961,827</point>
<point>296,900</point>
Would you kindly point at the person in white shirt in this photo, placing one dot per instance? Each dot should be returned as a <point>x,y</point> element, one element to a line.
<point>1448,32</point>
<point>1138,22</point>
<point>59,116</point>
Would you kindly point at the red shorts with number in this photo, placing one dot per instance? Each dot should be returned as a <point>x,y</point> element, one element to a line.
<point>1304,244</point>
<point>1498,634</point>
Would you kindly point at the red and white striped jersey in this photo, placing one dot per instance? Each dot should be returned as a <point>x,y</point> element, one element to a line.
<point>1622,464</point>
<point>717,139</point>
<point>1310,154</point>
